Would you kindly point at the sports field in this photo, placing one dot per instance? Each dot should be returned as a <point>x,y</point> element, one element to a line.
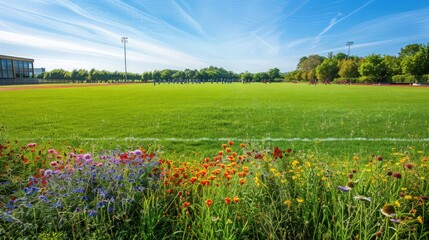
<point>332,118</point>
<point>214,161</point>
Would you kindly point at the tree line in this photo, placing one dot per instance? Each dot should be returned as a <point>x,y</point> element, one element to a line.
<point>410,66</point>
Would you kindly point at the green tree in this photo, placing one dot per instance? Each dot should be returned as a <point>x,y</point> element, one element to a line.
<point>393,65</point>
<point>417,64</point>
<point>374,67</point>
<point>348,69</point>
<point>327,70</point>
<point>410,50</point>
<point>307,66</point>
<point>274,73</point>
<point>246,76</point>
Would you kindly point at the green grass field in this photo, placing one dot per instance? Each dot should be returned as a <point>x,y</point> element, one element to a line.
<point>185,117</point>
<point>351,162</point>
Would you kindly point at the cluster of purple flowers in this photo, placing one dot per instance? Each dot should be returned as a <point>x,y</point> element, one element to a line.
<point>86,184</point>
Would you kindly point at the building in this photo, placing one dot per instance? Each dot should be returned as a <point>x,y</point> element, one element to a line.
<point>16,67</point>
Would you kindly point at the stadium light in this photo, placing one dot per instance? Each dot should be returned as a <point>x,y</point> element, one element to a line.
<point>125,40</point>
<point>349,44</point>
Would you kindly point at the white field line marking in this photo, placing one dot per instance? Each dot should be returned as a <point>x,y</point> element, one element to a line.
<point>239,139</point>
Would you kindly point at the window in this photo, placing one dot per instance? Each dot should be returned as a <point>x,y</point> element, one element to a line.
<point>9,68</point>
<point>3,68</point>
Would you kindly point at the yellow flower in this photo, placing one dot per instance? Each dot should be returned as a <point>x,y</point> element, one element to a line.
<point>397,204</point>
<point>257,181</point>
<point>408,197</point>
<point>420,219</point>
<point>295,162</point>
<point>324,178</point>
<point>300,200</point>
<point>287,203</point>
<point>308,164</point>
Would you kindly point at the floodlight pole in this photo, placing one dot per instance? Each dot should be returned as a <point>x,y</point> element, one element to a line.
<point>348,53</point>
<point>125,40</point>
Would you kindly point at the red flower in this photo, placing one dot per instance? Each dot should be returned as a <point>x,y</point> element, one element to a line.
<point>231,143</point>
<point>205,182</point>
<point>408,166</point>
<point>186,204</point>
<point>209,202</point>
<point>227,200</point>
<point>396,175</point>
<point>193,179</point>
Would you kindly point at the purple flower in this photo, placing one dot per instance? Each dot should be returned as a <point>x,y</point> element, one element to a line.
<point>48,173</point>
<point>138,152</point>
<point>92,213</point>
<point>344,189</point>
<point>394,220</point>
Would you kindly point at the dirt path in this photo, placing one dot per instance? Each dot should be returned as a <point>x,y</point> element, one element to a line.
<point>28,87</point>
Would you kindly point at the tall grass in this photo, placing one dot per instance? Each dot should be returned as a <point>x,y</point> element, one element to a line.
<point>236,193</point>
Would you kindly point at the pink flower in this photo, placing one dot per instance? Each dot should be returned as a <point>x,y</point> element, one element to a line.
<point>52,151</point>
<point>32,145</point>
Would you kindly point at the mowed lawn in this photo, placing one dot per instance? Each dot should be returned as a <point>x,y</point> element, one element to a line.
<point>329,118</point>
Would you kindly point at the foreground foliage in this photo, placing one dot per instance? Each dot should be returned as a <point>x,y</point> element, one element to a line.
<point>239,192</point>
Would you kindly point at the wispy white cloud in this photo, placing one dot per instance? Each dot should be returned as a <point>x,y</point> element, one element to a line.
<point>238,35</point>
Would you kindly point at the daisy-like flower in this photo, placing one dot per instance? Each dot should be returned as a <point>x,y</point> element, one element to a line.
<point>368,199</point>
<point>388,210</point>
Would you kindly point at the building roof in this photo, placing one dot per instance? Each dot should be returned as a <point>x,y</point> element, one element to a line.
<point>17,58</point>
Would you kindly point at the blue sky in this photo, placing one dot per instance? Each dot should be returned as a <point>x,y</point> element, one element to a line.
<point>239,35</point>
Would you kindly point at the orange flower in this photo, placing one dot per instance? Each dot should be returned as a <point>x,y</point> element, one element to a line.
<point>216,171</point>
<point>205,182</point>
<point>193,179</point>
<point>220,153</point>
<point>186,204</point>
<point>209,202</point>
<point>227,176</point>
<point>242,145</point>
<point>231,143</point>
<point>228,150</point>
<point>224,146</point>
<point>242,181</point>
<point>227,200</point>
<point>236,199</point>
<point>242,174</point>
